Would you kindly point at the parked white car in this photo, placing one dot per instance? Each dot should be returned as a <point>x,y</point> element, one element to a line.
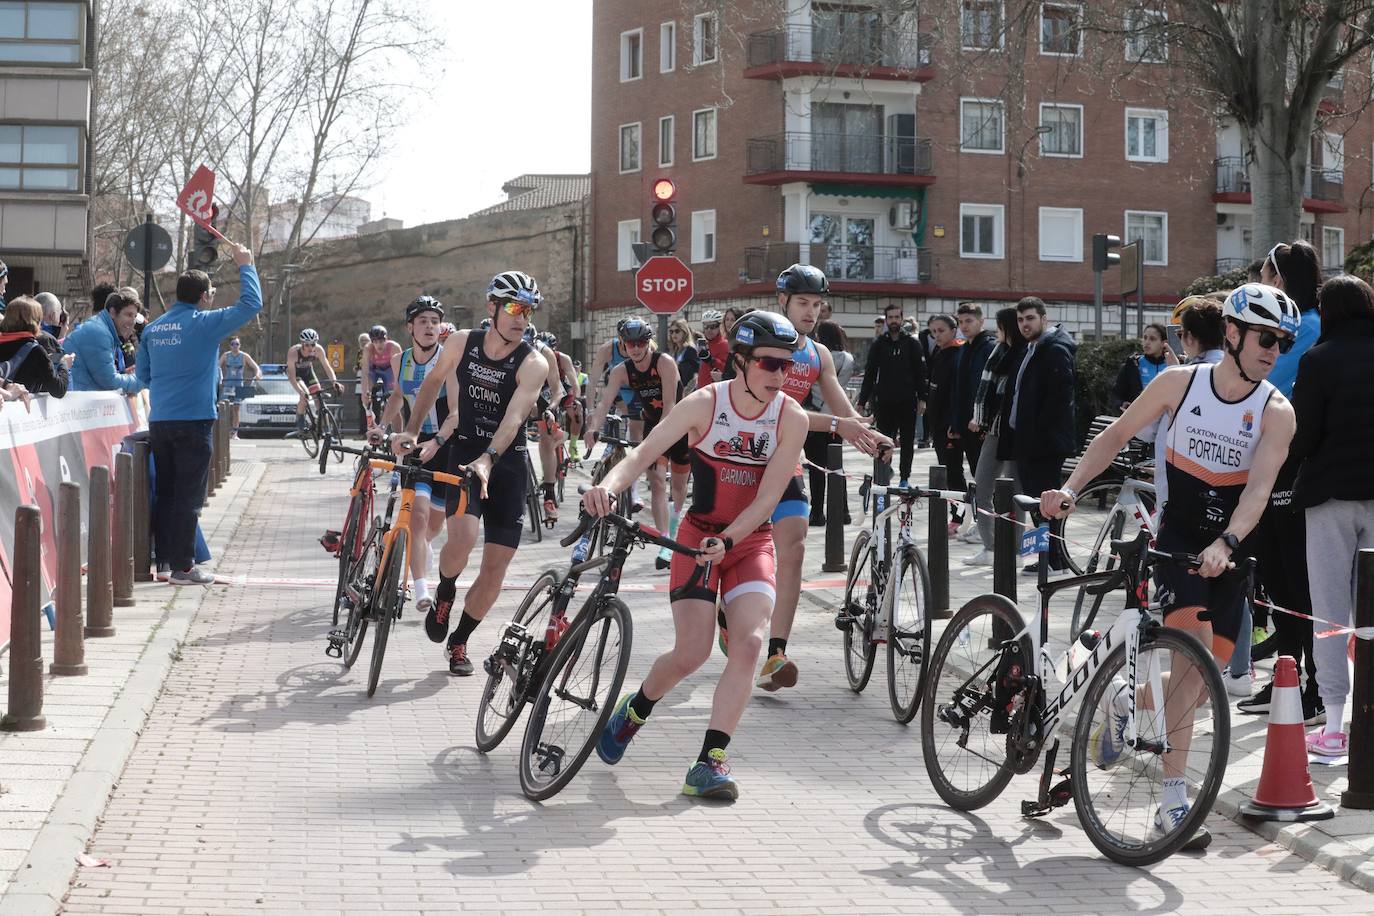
<point>271,407</point>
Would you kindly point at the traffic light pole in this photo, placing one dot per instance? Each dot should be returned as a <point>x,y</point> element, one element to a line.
<point>1097,305</point>
<point>147,259</point>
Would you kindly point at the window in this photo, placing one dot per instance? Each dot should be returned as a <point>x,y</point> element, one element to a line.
<point>980,230</point>
<point>704,39</point>
<point>981,24</point>
<point>1065,137</point>
<point>845,243</point>
<point>667,47</point>
<point>703,134</point>
<point>629,147</point>
<point>631,55</point>
<point>627,235</point>
<point>1146,36</point>
<point>1059,32</point>
<point>40,33</point>
<point>39,158</point>
<point>1333,248</point>
<point>665,141</point>
<point>1151,230</point>
<point>980,125</point>
<point>1061,234</point>
<point>703,236</point>
<point>1147,135</point>
<point>1330,154</point>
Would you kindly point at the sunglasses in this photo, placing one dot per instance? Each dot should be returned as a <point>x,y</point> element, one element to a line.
<point>635,344</point>
<point>512,307</point>
<point>712,326</point>
<point>1268,338</point>
<point>772,363</point>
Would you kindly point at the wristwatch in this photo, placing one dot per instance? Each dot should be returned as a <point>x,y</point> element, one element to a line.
<point>1231,541</point>
<point>440,439</point>
<point>495,455</point>
<point>834,425</point>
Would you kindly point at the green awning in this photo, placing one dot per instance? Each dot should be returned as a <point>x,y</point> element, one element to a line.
<point>867,190</point>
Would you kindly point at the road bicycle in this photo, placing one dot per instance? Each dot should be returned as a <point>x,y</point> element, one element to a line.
<point>882,609</point>
<point>320,423</point>
<point>376,590</point>
<point>617,446</point>
<point>989,710</point>
<point>569,671</point>
<point>348,543</point>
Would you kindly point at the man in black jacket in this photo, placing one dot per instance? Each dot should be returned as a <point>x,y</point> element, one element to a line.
<point>973,356</point>
<point>895,384</point>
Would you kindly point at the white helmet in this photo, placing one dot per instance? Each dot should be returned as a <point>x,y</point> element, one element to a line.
<point>309,336</point>
<point>516,285</point>
<point>712,316</point>
<point>1263,306</point>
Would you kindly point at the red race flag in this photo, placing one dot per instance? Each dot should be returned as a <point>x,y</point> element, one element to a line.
<point>197,197</point>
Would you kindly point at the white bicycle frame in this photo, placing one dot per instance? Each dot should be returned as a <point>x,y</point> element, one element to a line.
<point>905,499</point>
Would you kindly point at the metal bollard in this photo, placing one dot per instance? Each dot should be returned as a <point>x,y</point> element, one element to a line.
<point>69,641</point>
<point>122,533</point>
<point>1360,791</point>
<point>226,441</point>
<point>142,515</point>
<point>99,588</point>
<point>937,545</point>
<point>212,473</point>
<point>836,508</point>
<point>25,710</point>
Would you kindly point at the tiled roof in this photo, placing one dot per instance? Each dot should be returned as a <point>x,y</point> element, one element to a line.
<point>534,192</point>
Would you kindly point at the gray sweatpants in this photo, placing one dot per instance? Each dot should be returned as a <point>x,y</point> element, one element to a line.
<point>984,479</point>
<point>1336,529</point>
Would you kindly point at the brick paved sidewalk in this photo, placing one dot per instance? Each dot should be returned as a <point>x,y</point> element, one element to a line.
<point>266,781</point>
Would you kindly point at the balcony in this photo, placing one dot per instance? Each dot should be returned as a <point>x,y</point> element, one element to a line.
<point>871,159</point>
<point>851,268</point>
<point>1226,265</point>
<point>1323,191</point>
<point>868,51</point>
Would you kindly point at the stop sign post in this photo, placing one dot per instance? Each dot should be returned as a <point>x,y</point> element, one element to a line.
<point>663,285</point>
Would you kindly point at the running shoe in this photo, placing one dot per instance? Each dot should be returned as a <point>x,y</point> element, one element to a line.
<point>1199,840</point>
<point>981,558</point>
<point>424,604</point>
<point>1313,710</point>
<point>1328,744</point>
<point>1107,744</point>
<point>193,576</point>
<point>620,728</point>
<point>458,663</point>
<point>1258,704</point>
<point>436,619</point>
<point>1238,686</point>
<point>779,671</point>
<point>331,540</point>
<point>711,779</point>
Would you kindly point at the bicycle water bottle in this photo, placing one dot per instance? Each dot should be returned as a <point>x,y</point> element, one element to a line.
<point>558,625</point>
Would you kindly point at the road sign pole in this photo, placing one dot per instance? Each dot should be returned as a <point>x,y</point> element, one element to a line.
<point>1097,305</point>
<point>147,265</point>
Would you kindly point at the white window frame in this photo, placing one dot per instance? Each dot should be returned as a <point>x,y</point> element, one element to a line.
<point>667,47</point>
<point>627,232</point>
<point>1081,130</point>
<point>625,57</point>
<point>697,58</point>
<point>715,133</point>
<point>1159,16</point>
<point>666,160</point>
<point>998,212</point>
<point>1075,253</point>
<point>1159,115</point>
<point>1001,133</point>
<point>1333,147</point>
<point>1078,17</point>
<point>638,127</point>
<point>1339,231</point>
<point>1001,31</point>
<point>1164,234</point>
<point>703,224</point>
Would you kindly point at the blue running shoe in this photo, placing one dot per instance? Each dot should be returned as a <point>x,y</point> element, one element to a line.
<point>711,779</point>
<point>1168,822</point>
<point>1107,744</point>
<point>620,728</point>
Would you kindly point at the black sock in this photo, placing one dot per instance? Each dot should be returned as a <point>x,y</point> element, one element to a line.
<point>777,647</point>
<point>715,740</point>
<point>447,590</point>
<point>641,704</point>
<point>465,627</point>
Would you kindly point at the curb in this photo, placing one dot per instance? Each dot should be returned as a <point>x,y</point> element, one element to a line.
<point>43,879</point>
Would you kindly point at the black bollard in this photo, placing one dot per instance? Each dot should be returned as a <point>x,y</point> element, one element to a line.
<point>99,587</point>
<point>836,508</point>
<point>1360,793</point>
<point>142,515</point>
<point>1005,539</point>
<point>122,533</point>
<point>25,710</point>
<point>69,640</point>
<point>937,545</point>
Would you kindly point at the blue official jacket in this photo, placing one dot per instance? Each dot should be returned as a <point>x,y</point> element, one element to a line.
<point>97,347</point>
<point>178,357</point>
<point>1286,369</point>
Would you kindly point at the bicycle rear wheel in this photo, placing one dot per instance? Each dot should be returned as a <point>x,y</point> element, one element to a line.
<point>534,502</point>
<point>508,678</point>
<point>1116,788</point>
<point>908,634</point>
<point>386,605</point>
<point>310,436</point>
<point>968,764</point>
<point>576,697</point>
<point>350,548</point>
<point>858,614</point>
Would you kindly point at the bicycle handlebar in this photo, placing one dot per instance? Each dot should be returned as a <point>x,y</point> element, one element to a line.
<point>637,530</point>
<point>404,467</point>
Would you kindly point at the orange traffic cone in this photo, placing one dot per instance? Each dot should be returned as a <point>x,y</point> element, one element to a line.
<point>1285,787</point>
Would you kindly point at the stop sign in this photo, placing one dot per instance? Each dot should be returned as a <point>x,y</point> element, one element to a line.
<point>663,284</point>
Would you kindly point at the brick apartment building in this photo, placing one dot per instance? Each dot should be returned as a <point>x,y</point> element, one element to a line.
<point>884,151</point>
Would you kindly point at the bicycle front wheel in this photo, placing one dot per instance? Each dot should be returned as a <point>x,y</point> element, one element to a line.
<point>858,614</point>
<point>908,635</point>
<point>534,503</point>
<point>350,548</point>
<point>310,436</point>
<point>329,429</point>
<point>504,695</point>
<point>967,761</point>
<point>386,604</point>
<point>576,698</point>
<point>1117,788</point>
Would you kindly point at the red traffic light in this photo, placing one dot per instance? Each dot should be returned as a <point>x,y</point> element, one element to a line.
<point>664,189</point>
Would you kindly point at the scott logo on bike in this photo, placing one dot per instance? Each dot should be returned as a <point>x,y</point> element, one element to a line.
<point>744,444</point>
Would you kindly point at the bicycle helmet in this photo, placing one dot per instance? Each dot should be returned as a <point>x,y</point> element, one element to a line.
<point>634,330</point>
<point>485,325</point>
<point>309,336</point>
<point>763,329</point>
<point>712,316</point>
<point>1261,306</point>
<point>549,339</point>
<point>446,330</point>
<point>803,278</point>
<point>424,304</point>
<point>515,285</point>
<point>377,332</point>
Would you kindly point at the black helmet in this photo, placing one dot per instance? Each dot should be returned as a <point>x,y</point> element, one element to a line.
<point>549,339</point>
<point>377,332</point>
<point>635,329</point>
<point>764,329</point>
<point>803,278</point>
<point>424,304</point>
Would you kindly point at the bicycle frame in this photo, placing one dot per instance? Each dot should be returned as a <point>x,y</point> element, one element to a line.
<point>881,550</point>
<point>401,522</point>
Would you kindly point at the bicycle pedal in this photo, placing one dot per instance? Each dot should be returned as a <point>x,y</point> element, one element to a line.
<point>335,647</point>
<point>1035,809</point>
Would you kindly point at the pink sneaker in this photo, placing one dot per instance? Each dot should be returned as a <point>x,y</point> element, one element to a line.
<point>953,528</point>
<point>1328,744</point>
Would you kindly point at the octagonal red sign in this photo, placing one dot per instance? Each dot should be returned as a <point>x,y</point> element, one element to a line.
<point>663,284</point>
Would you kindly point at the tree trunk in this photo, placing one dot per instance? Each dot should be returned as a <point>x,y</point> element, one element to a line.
<point>1276,185</point>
